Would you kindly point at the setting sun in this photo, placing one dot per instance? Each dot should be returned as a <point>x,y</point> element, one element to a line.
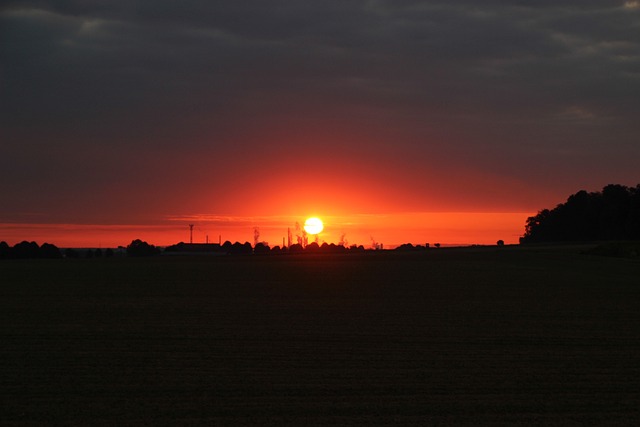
<point>313,225</point>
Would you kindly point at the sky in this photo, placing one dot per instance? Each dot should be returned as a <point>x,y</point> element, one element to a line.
<point>396,121</point>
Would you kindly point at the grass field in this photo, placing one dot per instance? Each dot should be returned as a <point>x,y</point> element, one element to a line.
<point>475,336</point>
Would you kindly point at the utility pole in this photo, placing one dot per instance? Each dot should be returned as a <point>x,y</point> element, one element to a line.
<point>190,233</point>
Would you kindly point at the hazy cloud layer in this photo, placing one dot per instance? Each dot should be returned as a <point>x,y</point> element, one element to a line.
<point>542,96</point>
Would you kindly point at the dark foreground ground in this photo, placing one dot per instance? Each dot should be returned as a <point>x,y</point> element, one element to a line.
<point>487,336</point>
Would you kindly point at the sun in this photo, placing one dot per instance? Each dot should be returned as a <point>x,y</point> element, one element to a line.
<point>313,225</point>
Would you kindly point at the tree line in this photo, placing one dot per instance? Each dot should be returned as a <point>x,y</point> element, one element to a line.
<point>31,250</point>
<point>262,248</point>
<point>26,249</point>
<point>140,248</point>
<point>610,214</point>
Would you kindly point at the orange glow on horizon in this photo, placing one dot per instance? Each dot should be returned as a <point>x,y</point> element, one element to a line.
<point>392,229</point>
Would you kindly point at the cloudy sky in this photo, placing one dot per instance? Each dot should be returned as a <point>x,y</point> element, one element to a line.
<point>142,112</point>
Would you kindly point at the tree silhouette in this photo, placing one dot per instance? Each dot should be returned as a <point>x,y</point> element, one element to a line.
<point>612,214</point>
<point>312,247</point>
<point>5,250</point>
<point>139,248</point>
<point>24,250</point>
<point>261,249</point>
<point>295,248</point>
<point>405,247</point>
<point>238,248</point>
<point>47,250</point>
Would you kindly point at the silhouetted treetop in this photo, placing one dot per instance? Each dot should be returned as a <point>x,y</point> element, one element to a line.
<point>5,250</point>
<point>29,250</point>
<point>261,248</point>
<point>47,250</point>
<point>139,248</point>
<point>612,214</point>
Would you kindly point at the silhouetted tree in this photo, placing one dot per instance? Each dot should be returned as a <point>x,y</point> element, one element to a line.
<point>240,248</point>
<point>48,250</point>
<point>5,250</point>
<point>405,247</point>
<point>312,247</point>
<point>339,248</point>
<point>408,247</point>
<point>295,248</point>
<point>108,253</point>
<point>633,218</point>
<point>500,243</point>
<point>139,248</point>
<point>615,209</point>
<point>26,249</point>
<point>97,253</point>
<point>261,249</point>
<point>613,213</point>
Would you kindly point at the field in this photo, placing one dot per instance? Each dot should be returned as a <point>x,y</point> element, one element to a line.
<point>473,336</point>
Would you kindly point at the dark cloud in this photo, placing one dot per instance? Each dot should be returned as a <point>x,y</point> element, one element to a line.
<point>519,88</point>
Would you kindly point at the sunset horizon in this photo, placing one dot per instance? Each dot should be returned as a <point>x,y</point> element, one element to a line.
<point>129,115</point>
<point>391,230</point>
<point>303,212</point>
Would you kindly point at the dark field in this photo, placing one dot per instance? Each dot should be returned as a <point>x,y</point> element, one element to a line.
<point>486,336</point>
